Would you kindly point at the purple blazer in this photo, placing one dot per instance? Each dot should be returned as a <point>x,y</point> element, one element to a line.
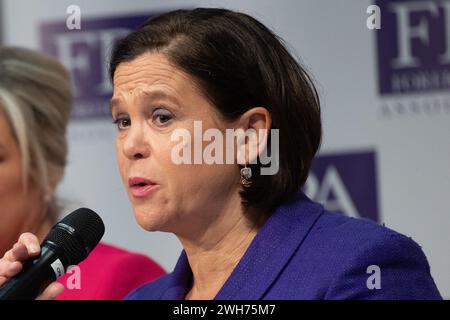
<point>306,252</point>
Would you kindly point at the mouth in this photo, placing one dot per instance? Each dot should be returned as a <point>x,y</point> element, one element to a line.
<point>141,187</point>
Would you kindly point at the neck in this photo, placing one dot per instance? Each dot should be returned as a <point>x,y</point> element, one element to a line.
<point>213,256</point>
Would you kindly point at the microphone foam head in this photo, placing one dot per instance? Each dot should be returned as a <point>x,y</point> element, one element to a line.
<point>77,234</point>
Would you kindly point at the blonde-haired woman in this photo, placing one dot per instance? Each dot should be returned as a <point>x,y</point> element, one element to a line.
<point>35,106</point>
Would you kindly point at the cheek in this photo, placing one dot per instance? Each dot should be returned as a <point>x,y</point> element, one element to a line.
<point>120,158</point>
<point>199,178</point>
<point>13,203</point>
<point>167,169</point>
<point>205,179</point>
<point>10,180</point>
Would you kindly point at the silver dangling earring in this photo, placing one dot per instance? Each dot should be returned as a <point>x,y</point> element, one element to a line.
<point>246,175</point>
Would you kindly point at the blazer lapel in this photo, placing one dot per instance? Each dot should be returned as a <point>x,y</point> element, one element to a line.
<point>180,281</point>
<point>270,250</point>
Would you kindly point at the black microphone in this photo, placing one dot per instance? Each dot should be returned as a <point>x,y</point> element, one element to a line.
<point>68,243</point>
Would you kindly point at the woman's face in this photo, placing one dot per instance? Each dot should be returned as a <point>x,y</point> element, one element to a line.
<point>20,210</point>
<point>152,99</point>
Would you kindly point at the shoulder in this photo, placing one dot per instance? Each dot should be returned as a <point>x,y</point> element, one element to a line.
<point>366,260</point>
<point>151,291</point>
<point>124,261</point>
<point>341,237</point>
<point>347,232</point>
<point>111,273</point>
<point>116,255</point>
<point>352,236</point>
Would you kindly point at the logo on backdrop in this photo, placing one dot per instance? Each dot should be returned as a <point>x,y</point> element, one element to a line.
<point>85,52</point>
<point>413,49</point>
<point>346,183</point>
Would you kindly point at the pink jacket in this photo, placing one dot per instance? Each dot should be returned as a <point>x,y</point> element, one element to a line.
<point>109,273</point>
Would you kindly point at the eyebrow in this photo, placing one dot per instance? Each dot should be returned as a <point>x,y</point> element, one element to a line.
<point>152,94</point>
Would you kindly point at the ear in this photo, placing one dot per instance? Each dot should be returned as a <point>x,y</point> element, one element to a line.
<point>53,182</point>
<point>256,124</point>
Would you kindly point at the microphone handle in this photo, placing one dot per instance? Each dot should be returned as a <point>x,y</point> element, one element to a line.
<point>35,276</point>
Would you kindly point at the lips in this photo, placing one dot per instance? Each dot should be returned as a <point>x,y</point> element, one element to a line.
<point>141,187</point>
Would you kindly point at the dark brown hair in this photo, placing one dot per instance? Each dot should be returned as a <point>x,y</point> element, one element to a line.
<point>239,63</point>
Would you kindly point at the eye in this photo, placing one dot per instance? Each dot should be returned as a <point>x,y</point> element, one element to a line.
<point>161,116</point>
<point>122,122</point>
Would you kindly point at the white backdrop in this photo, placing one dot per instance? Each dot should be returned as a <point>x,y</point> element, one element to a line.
<point>332,40</point>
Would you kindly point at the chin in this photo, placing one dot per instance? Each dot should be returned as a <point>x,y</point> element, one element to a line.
<point>150,220</point>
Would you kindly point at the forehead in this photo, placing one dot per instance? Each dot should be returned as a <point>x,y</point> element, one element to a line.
<point>150,70</point>
<point>153,76</point>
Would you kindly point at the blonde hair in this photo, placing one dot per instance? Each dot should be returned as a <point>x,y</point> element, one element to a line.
<point>36,98</point>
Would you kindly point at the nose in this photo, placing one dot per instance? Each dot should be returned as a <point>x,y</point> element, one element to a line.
<point>136,145</point>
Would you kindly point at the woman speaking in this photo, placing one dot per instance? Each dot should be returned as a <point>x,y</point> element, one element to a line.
<point>35,106</point>
<point>183,81</point>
